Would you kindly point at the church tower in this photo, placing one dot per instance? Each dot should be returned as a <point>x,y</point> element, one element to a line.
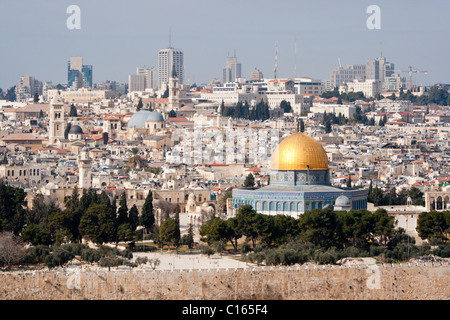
<point>57,120</point>
<point>174,91</point>
<point>84,166</point>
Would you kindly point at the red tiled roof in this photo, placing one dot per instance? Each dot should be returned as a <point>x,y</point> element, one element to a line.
<point>178,119</point>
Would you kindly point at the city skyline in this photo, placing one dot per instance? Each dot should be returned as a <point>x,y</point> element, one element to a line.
<point>310,40</point>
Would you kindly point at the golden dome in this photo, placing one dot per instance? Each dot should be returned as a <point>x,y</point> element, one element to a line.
<point>299,151</point>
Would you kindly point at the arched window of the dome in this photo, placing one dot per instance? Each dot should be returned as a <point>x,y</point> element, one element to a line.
<point>272,206</point>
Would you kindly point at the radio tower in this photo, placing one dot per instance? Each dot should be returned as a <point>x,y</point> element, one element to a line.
<point>276,62</point>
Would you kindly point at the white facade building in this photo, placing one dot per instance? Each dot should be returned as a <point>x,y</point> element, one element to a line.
<point>345,110</point>
<point>369,88</point>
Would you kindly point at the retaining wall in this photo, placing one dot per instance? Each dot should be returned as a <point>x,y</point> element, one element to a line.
<point>366,282</point>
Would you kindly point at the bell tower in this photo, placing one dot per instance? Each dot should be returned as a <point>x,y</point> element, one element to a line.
<point>174,90</point>
<point>84,174</point>
<point>57,120</point>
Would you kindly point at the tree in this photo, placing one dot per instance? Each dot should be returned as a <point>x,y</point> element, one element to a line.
<point>302,126</point>
<point>36,98</point>
<point>328,127</point>
<point>246,219</point>
<point>188,239</point>
<point>133,217</point>
<point>319,227</point>
<point>349,180</point>
<point>11,249</point>
<point>249,181</point>
<point>12,212</point>
<point>166,93</point>
<point>5,158</point>
<point>434,225</point>
<point>172,114</point>
<point>384,226</point>
<point>66,131</point>
<point>234,232</point>
<point>11,94</point>
<point>416,196</point>
<point>124,232</point>
<point>122,216</point>
<point>214,230</point>
<point>286,106</point>
<point>73,111</point>
<point>147,218</point>
<point>99,224</point>
<point>357,227</point>
<point>169,232</point>
<point>139,105</point>
<point>32,234</point>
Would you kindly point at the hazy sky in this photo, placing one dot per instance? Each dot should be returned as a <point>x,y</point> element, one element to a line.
<point>118,36</point>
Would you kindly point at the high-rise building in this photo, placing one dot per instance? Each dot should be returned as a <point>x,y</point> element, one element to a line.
<point>342,75</point>
<point>79,75</point>
<point>27,87</point>
<point>256,75</point>
<point>378,69</point>
<point>232,71</point>
<point>136,82</point>
<point>150,77</point>
<point>167,60</point>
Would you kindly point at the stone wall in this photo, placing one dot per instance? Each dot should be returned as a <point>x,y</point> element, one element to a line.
<point>363,282</point>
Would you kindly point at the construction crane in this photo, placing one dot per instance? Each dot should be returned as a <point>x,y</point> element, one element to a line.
<point>410,72</point>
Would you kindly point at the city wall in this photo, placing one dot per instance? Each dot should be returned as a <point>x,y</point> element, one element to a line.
<point>367,282</point>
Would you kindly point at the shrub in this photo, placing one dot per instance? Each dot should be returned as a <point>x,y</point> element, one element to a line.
<point>329,256</point>
<point>58,257</point>
<point>443,251</point>
<point>37,254</point>
<point>111,261</point>
<point>90,255</point>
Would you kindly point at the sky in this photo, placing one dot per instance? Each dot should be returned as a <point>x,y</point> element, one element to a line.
<point>311,37</point>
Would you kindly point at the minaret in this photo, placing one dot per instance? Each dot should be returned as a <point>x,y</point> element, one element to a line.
<point>57,124</point>
<point>84,166</point>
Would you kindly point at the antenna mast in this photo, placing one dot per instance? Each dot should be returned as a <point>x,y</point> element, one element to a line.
<point>295,65</point>
<point>170,37</point>
<point>275,69</point>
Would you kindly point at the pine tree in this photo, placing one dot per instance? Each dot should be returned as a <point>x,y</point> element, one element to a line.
<point>190,236</point>
<point>328,127</point>
<point>133,217</point>
<point>302,126</point>
<point>73,111</point>
<point>123,210</point>
<point>139,105</point>
<point>349,181</point>
<point>147,218</point>
<point>249,181</point>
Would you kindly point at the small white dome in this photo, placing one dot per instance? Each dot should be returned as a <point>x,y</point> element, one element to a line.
<point>342,201</point>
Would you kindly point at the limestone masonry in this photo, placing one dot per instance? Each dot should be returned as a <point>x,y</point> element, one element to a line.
<point>410,281</point>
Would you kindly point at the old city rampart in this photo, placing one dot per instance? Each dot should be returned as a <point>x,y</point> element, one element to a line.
<point>407,281</point>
